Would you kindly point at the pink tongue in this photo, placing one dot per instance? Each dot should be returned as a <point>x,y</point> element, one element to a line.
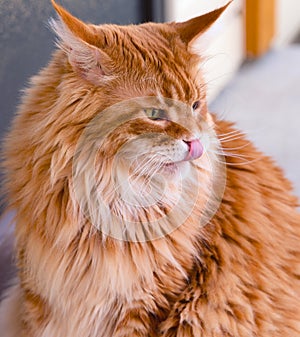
<point>195,149</point>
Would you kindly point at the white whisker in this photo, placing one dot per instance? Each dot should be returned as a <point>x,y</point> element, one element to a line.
<point>236,148</point>
<point>230,137</point>
<point>244,159</point>
<point>230,133</point>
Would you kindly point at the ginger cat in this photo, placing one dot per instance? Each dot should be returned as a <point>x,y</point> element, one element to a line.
<point>132,218</point>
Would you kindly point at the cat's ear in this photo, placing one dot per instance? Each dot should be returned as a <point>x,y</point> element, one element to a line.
<point>190,30</point>
<point>80,41</point>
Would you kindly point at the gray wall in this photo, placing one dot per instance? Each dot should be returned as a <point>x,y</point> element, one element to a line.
<point>26,41</point>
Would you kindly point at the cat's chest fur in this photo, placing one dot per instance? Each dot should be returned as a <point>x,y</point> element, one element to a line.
<point>103,283</point>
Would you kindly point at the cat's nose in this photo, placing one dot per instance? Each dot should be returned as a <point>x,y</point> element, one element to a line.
<point>195,149</point>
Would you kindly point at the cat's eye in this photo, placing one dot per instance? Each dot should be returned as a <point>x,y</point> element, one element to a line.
<point>156,114</point>
<point>196,105</point>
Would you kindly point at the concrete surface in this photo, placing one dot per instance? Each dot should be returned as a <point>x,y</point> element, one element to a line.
<point>264,100</point>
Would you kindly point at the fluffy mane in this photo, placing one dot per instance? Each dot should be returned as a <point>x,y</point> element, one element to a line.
<point>133,216</point>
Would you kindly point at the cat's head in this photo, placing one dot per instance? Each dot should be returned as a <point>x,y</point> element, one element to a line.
<point>149,142</point>
<point>132,99</point>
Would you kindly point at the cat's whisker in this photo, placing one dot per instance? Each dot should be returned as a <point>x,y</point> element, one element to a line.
<point>241,163</point>
<point>230,137</point>
<point>140,170</point>
<point>219,143</point>
<point>236,148</point>
<point>245,160</point>
<point>230,140</point>
<point>146,178</point>
<point>140,166</point>
<point>231,154</point>
<point>221,135</point>
<point>148,166</point>
<point>227,152</point>
<point>153,169</point>
<point>143,167</point>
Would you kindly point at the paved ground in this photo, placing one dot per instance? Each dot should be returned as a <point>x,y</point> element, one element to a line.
<point>264,100</point>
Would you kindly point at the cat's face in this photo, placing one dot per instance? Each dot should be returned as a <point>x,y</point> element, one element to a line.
<point>148,141</point>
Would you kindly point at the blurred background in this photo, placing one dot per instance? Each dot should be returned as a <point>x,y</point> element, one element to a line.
<point>252,64</point>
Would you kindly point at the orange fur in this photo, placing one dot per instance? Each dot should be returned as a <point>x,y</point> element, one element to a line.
<point>235,274</point>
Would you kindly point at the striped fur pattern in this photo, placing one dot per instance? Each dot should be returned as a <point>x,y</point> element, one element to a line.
<point>224,267</point>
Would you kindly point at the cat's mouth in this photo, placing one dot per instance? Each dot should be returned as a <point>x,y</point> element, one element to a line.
<point>195,151</point>
<point>170,160</point>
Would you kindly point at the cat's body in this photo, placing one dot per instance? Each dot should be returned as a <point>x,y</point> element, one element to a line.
<point>236,273</point>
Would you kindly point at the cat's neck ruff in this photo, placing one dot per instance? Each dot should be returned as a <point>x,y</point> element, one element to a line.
<point>139,208</point>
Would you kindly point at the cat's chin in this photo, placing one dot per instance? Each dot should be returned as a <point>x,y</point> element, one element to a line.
<point>175,169</point>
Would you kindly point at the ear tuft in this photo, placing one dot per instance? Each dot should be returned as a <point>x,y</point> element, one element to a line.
<point>78,41</point>
<point>76,26</point>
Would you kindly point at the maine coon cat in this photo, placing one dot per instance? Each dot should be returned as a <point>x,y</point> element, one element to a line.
<point>132,218</point>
